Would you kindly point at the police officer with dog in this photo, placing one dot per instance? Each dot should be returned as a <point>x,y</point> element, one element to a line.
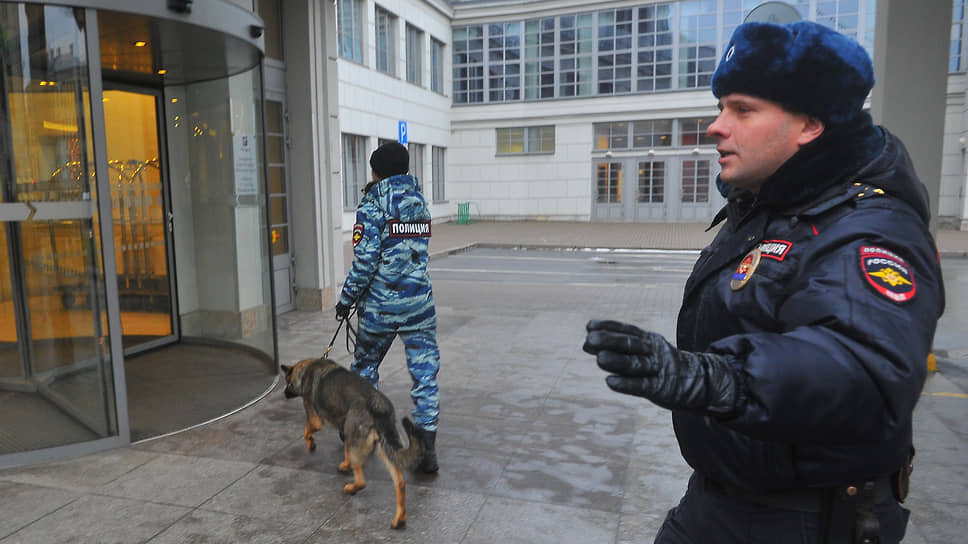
<point>390,287</point>
<point>805,325</point>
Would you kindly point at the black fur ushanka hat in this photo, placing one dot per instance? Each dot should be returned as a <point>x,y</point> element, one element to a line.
<point>804,66</point>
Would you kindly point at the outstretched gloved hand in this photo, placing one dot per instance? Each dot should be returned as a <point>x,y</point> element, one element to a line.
<point>646,365</point>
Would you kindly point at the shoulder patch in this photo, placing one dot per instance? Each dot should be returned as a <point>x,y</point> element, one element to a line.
<point>887,273</point>
<point>357,234</point>
<point>412,229</point>
<point>774,249</point>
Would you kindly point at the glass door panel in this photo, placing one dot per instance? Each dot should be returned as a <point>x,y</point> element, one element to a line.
<point>138,209</point>
<point>61,388</point>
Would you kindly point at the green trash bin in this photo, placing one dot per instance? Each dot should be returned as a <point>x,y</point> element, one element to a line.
<point>463,213</point>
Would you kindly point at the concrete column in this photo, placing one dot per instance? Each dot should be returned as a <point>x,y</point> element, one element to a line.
<point>311,82</point>
<point>911,66</point>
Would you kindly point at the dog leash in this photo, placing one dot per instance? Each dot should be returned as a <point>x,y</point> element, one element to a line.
<point>349,332</point>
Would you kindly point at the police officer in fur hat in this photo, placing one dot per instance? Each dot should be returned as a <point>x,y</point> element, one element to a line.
<point>389,284</point>
<point>805,326</point>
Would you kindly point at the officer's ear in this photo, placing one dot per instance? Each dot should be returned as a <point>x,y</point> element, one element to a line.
<point>812,129</point>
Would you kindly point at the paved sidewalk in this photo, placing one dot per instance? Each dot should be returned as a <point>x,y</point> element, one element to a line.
<point>534,448</point>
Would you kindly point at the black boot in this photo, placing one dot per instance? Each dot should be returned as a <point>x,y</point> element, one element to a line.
<point>429,462</point>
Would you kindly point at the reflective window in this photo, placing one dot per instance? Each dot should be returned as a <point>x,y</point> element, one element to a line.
<point>611,135</point>
<point>575,59</point>
<point>539,55</point>
<point>646,134</point>
<point>415,38</point>
<point>608,186</point>
<point>615,51</point>
<point>468,64</point>
<point>957,36</point>
<point>416,160</point>
<point>504,62</point>
<point>526,140</point>
<point>386,40</point>
<point>271,13</point>
<point>654,40</point>
<point>692,132</point>
<point>350,29</point>
<point>651,181</point>
<point>439,169</point>
<point>355,169</point>
<point>695,181</point>
<point>436,65</point>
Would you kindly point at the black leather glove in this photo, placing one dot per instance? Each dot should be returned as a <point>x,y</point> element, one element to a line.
<point>645,364</point>
<point>342,310</point>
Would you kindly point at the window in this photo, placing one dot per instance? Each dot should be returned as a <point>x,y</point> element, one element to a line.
<point>693,132</point>
<point>271,15</point>
<point>846,17</point>
<point>697,43</point>
<point>523,140</point>
<point>438,173</point>
<point>436,65</point>
<point>416,160</point>
<point>350,31</point>
<point>957,36</point>
<point>608,188</point>
<point>468,64</point>
<point>575,55</point>
<point>504,62</point>
<point>615,51</point>
<point>539,55</point>
<point>414,55</point>
<point>654,39</point>
<point>611,135</point>
<point>386,39</point>
<point>651,181</point>
<point>355,169</point>
<point>647,134</point>
<point>695,181</point>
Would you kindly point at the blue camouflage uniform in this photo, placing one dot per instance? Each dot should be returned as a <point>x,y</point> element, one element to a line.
<point>390,286</point>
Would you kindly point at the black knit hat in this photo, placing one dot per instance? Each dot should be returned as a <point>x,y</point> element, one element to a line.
<point>390,159</point>
<point>804,66</point>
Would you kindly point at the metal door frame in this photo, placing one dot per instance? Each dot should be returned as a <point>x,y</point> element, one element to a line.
<point>280,97</point>
<point>162,135</point>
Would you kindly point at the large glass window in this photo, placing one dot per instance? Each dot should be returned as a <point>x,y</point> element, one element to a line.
<point>468,64</point>
<point>608,183</point>
<point>697,43</point>
<point>504,62</point>
<point>695,181</point>
<point>611,135</point>
<point>539,55</point>
<point>354,169</point>
<point>521,140</point>
<point>651,182</point>
<point>350,29</point>
<point>386,40</point>
<point>647,134</point>
<point>436,65</point>
<point>615,51</point>
<point>416,160</point>
<point>957,36</point>
<point>415,38</point>
<point>654,37</point>
<point>439,171</point>
<point>692,132</point>
<point>575,41</point>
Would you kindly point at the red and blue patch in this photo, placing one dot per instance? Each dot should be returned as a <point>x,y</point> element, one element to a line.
<point>357,234</point>
<point>887,273</point>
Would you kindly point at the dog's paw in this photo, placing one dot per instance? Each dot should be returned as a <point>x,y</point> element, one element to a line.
<point>399,524</point>
<point>351,489</point>
<point>344,467</point>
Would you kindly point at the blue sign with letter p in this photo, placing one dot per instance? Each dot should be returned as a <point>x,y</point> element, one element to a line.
<point>402,132</point>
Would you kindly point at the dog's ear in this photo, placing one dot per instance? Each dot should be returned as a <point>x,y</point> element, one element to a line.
<point>286,369</point>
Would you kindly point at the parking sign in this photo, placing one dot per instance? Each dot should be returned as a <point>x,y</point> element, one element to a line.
<point>402,132</point>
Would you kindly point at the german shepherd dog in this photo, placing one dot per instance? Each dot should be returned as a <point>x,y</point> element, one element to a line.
<point>365,418</point>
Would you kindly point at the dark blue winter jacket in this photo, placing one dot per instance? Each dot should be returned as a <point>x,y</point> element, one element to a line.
<point>388,280</point>
<point>832,328</point>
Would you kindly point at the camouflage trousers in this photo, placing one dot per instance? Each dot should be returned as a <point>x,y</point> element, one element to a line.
<point>423,362</point>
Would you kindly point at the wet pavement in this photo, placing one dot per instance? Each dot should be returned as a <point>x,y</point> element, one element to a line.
<point>533,447</point>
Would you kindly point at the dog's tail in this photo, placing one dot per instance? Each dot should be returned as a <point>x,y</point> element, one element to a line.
<point>409,457</point>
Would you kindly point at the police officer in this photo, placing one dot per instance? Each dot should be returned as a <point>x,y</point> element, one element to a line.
<point>389,285</point>
<point>805,326</point>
